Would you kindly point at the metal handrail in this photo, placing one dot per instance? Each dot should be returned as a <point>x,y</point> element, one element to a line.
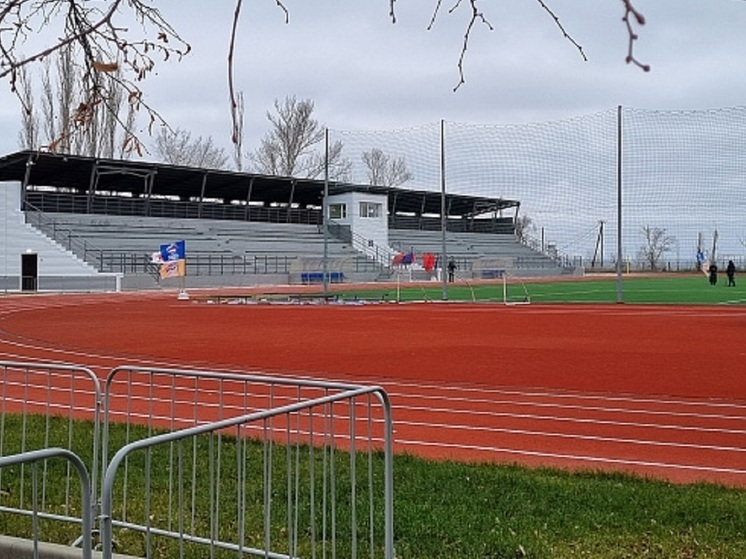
<point>64,236</point>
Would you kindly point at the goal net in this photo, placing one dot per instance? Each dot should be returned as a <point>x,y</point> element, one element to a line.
<point>515,291</point>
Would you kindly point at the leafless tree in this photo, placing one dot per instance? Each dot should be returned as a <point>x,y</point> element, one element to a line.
<point>54,126</point>
<point>291,148</point>
<point>657,243</point>
<point>524,227</point>
<point>383,170</point>
<point>28,137</point>
<point>121,39</point>
<point>109,42</point>
<point>238,155</point>
<point>177,147</point>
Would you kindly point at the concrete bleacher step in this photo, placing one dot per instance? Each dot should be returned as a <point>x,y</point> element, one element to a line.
<point>143,235</point>
<point>21,238</point>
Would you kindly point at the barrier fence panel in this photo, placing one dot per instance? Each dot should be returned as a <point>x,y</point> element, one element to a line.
<point>43,406</point>
<point>31,459</point>
<point>215,464</point>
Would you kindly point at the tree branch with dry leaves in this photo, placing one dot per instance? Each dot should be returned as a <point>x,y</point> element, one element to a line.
<point>108,44</point>
<point>111,47</point>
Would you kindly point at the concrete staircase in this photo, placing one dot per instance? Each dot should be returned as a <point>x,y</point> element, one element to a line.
<point>57,268</point>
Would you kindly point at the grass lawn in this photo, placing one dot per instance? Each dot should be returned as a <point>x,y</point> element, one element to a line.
<point>454,510</point>
<point>665,288</point>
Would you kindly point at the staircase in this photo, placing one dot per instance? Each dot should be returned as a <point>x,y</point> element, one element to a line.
<point>57,269</point>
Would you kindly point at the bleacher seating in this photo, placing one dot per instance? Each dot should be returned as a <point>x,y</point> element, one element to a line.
<point>489,256</point>
<point>145,234</point>
<point>293,249</point>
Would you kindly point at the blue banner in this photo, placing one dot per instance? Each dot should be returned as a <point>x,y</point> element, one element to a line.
<point>173,251</point>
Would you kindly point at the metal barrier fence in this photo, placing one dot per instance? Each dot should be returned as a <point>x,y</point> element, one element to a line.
<point>213,463</point>
<point>42,406</point>
<point>32,458</point>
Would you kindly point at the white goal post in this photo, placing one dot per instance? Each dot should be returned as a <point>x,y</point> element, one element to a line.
<point>515,291</point>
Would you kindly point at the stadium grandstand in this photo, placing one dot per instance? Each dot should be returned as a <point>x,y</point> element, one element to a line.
<point>80,223</point>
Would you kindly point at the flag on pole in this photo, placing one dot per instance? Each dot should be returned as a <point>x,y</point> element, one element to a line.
<point>173,251</point>
<point>173,260</point>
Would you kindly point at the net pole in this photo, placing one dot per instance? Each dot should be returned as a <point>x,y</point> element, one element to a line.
<point>325,217</point>
<point>619,295</point>
<point>443,216</point>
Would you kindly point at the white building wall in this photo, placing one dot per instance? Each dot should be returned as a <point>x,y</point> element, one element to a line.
<point>370,235</point>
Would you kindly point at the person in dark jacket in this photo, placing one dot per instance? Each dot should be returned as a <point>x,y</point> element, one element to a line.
<point>730,271</point>
<point>451,270</point>
<point>713,271</point>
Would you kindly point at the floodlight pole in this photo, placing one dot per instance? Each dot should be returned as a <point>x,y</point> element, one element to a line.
<point>443,216</point>
<point>325,217</point>
<point>619,296</point>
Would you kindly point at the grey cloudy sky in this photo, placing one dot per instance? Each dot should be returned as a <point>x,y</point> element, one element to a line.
<point>365,73</point>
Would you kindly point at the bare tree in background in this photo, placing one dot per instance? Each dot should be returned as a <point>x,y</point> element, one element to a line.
<point>50,120</point>
<point>293,147</point>
<point>238,155</point>
<point>524,227</point>
<point>109,42</point>
<point>110,46</point>
<point>176,147</point>
<point>383,170</point>
<point>28,137</point>
<point>657,243</point>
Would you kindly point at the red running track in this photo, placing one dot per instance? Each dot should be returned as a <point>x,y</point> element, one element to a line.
<point>655,390</point>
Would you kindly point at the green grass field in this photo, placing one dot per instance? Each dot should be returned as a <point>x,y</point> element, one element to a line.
<point>446,510</point>
<point>685,289</point>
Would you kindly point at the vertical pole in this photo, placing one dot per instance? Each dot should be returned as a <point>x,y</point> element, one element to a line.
<point>443,216</point>
<point>325,217</point>
<point>619,296</point>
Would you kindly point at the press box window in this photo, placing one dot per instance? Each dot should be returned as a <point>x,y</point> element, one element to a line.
<point>337,211</point>
<point>370,209</point>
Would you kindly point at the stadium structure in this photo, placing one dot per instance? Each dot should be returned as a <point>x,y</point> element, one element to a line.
<point>80,223</point>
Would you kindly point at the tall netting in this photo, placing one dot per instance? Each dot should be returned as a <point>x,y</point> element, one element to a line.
<point>683,175</point>
<point>417,148</point>
<point>562,173</point>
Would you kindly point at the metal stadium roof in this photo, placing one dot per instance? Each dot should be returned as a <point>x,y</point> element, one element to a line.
<point>86,175</point>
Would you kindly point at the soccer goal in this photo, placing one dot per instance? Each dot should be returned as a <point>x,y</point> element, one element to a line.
<point>515,291</point>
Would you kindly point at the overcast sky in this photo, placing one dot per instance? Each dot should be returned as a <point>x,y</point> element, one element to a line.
<point>365,73</point>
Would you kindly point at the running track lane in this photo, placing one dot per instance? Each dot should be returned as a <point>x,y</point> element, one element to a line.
<point>658,391</point>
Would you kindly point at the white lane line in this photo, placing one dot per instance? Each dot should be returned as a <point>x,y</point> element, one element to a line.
<point>531,404</point>
<point>549,434</point>
<point>589,421</point>
<point>565,395</point>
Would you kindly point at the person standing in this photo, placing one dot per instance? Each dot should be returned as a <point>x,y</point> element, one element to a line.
<point>730,271</point>
<point>713,270</point>
<point>451,270</point>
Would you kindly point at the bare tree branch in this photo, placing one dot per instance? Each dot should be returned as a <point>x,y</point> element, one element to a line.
<point>108,47</point>
<point>237,127</point>
<point>561,27</point>
<point>629,10</point>
<point>231,87</point>
<point>476,15</point>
